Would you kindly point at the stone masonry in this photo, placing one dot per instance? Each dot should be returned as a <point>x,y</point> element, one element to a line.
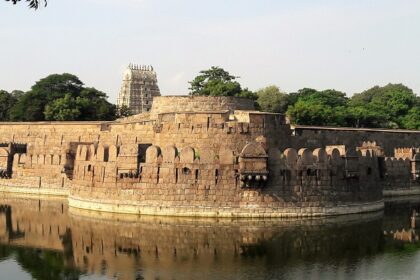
<point>204,156</point>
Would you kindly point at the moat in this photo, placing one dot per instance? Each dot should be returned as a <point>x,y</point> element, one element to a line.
<point>45,239</point>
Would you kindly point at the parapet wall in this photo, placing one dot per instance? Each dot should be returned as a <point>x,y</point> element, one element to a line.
<point>168,104</point>
<point>207,156</point>
<point>388,139</point>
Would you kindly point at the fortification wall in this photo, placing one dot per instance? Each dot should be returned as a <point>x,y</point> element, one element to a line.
<point>206,163</point>
<point>165,104</point>
<point>313,136</point>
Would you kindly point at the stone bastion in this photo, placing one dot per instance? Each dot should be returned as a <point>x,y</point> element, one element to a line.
<point>206,156</point>
<point>168,104</point>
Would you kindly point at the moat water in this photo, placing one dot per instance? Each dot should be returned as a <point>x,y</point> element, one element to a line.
<point>44,239</point>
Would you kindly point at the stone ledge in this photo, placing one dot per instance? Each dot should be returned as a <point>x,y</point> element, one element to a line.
<point>402,192</point>
<point>260,212</point>
<point>35,191</point>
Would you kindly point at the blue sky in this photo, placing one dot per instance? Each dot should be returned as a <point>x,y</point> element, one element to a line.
<point>346,45</point>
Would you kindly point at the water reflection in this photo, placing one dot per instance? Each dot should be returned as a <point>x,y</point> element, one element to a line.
<point>51,241</point>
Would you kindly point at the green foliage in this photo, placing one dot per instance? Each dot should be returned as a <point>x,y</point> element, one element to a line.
<point>61,97</point>
<point>33,4</point>
<point>312,107</point>
<point>412,119</point>
<point>45,264</point>
<point>385,106</point>
<point>390,106</point>
<point>123,111</point>
<point>270,99</point>
<point>63,109</point>
<point>218,82</point>
<point>7,100</point>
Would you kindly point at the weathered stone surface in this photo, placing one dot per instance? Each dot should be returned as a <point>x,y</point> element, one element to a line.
<point>214,153</point>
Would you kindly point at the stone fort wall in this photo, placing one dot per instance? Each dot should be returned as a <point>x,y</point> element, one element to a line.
<point>179,160</point>
<point>388,139</point>
<point>199,104</point>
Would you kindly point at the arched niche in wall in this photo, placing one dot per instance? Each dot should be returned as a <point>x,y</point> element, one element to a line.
<point>335,157</point>
<point>152,154</point>
<point>253,149</point>
<point>320,155</point>
<point>83,153</point>
<point>207,156</point>
<point>275,156</point>
<point>187,155</point>
<point>16,158</point>
<point>169,153</point>
<point>79,151</point>
<point>305,156</point>
<point>291,157</point>
<point>100,153</point>
<point>113,153</point>
<point>226,156</point>
<point>92,152</point>
<point>22,158</point>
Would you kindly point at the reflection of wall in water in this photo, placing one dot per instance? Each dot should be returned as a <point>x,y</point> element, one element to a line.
<point>164,244</point>
<point>36,223</point>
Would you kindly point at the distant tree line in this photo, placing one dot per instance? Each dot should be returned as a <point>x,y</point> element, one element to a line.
<point>58,97</point>
<point>390,106</point>
<point>63,97</point>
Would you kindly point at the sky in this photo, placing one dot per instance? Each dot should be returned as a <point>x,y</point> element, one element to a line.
<point>346,45</point>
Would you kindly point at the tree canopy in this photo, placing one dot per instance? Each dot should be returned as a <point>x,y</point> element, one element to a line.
<point>312,107</point>
<point>218,82</point>
<point>61,97</point>
<point>271,99</point>
<point>385,106</point>
<point>390,106</point>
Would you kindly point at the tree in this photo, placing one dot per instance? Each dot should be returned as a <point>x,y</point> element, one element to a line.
<point>218,82</point>
<point>33,4</point>
<point>31,106</point>
<point>270,99</point>
<point>384,106</point>
<point>7,100</point>
<point>63,109</point>
<point>313,107</point>
<point>123,111</point>
<point>62,97</point>
<point>94,105</point>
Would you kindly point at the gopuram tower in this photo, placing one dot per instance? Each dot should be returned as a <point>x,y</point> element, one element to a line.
<point>138,88</point>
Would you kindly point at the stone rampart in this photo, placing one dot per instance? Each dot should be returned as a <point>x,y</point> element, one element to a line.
<point>211,161</point>
<point>388,139</point>
<point>168,104</point>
